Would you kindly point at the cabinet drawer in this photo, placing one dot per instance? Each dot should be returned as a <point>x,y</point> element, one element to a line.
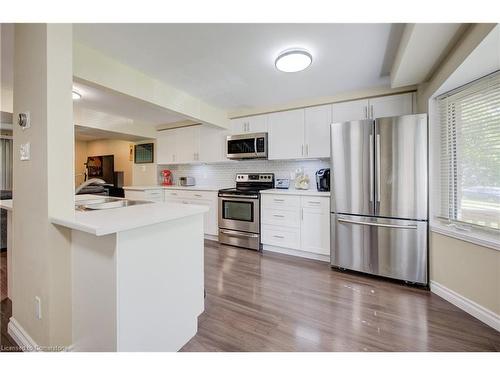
<point>281,236</point>
<point>286,202</point>
<point>154,195</point>
<point>320,203</point>
<point>281,217</point>
<point>172,194</point>
<point>201,194</point>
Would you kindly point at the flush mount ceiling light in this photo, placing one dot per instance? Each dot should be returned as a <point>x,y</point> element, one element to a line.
<point>293,60</point>
<point>76,95</point>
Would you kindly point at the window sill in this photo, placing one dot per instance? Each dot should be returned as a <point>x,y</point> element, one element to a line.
<point>490,241</point>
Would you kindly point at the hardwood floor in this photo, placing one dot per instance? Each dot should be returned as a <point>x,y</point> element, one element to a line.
<point>3,275</point>
<point>273,302</point>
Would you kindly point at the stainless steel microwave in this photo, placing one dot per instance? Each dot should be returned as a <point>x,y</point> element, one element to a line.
<point>247,146</point>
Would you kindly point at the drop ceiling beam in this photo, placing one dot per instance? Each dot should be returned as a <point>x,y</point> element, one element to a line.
<point>422,48</point>
<point>94,66</point>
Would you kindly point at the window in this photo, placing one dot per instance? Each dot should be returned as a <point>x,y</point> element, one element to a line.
<point>470,156</point>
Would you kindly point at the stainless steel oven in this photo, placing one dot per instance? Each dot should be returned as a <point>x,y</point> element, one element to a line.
<point>247,146</point>
<point>239,210</point>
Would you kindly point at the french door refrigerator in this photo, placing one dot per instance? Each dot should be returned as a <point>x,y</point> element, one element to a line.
<point>379,197</point>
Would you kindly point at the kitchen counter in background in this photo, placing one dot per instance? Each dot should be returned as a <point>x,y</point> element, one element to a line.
<point>312,192</point>
<point>175,187</point>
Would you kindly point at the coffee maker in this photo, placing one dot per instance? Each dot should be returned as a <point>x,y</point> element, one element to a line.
<point>323,179</point>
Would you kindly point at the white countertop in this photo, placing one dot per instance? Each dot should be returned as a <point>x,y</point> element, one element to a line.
<point>293,191</point>
<point>175,187</point>
<point>6,204</point>
<point>102,222</point>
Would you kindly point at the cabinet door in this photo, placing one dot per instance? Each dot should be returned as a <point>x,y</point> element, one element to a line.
<point>286,134</point>
<point>166,147</point>
<point>186,144</point>
<point>348,111</point>
<point>392,105</point>
<point>315,231</point>
<point>238,125</point>
<point>257,124</point>
<point>211,144</point>
<point>317,131</point>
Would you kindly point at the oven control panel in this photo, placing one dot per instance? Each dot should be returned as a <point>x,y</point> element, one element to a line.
<point>255,177</point>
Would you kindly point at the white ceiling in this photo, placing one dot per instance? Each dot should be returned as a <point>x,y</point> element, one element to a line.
<point>232,65</point>
<point>86,134</point>
<point>101,99</point>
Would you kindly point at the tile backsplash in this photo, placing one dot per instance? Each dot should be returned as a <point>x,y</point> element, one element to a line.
<point>223,174</point>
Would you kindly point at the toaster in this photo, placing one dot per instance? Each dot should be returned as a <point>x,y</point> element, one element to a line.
<point>187,181</point>
<point>323,179</point>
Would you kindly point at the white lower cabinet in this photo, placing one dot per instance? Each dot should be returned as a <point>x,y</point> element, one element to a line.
<point>201,198</point>
<point>298,223</point>
<point>196,197</point>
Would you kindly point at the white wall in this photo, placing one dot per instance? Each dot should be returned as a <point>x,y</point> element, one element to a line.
<point>43,186</point>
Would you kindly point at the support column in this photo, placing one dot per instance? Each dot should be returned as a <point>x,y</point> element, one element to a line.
<point>43,185</point>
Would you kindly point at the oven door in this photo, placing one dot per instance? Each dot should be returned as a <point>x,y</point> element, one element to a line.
<point>239,213</point>
<point>247,146</point>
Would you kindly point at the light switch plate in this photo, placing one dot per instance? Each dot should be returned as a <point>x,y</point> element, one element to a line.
<point>24,120</point>
<point>24,151</point>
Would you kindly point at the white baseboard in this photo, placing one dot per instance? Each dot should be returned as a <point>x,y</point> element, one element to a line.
<point>21,337</point>
<point>476,310</point>
<point>296,253</point>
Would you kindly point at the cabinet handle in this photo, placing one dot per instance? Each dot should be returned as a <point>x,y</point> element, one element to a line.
<point>302,214</point>
<point>173,193</point>
<point>313,202</point>
<point>307,150</point>
<point>302,152</point>
<point>371,111</point>
<point>276,215</point>
<point>198,195</point>
<point>278,200</point>
<point>277,236</point>
<point>366,111</point>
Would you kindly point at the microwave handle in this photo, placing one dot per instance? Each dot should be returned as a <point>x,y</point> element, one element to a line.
<point>255,145</point>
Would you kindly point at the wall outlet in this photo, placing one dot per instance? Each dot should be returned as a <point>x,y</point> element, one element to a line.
<point>38,308</point>
<point>24,151</point>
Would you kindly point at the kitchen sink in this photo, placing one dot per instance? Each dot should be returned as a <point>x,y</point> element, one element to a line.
<point>106,203</point>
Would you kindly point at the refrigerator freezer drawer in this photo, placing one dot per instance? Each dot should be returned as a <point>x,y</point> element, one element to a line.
<point>385,247</point>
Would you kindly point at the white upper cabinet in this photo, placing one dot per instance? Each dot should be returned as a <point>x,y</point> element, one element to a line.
<point>392,105</point>
<point>192,144</point>
<point>348,111</point>
<point>252,124</point>
<point>212,144</point>
<point>286,134</point>
<point>166,147</point>
<point>317,131</point>
<point>385,106</point>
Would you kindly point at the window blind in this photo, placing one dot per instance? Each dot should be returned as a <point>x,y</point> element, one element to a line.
<point>470,154</point>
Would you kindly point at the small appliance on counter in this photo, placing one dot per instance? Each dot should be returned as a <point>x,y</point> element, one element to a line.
<point>187,181</point>
<point>167,178</point>
<point>282,183</point>
<point>301,179</point>
<point>323,179</point>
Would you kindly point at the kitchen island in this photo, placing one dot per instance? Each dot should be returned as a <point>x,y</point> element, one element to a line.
<point>137,276</point>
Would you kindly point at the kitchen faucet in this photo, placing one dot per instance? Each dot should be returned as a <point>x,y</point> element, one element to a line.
<point>96,181</point>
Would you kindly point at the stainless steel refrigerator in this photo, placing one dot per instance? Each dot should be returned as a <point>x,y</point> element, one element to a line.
<point>379,213</point>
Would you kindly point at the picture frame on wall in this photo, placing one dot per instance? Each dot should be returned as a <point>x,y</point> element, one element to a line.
<point>144,153</point>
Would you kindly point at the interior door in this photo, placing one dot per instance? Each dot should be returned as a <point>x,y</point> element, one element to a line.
<point>401,167</point>
<point>352,167</point>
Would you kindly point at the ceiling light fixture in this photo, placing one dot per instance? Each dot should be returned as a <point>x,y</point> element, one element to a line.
<point>293,60</point>
<point>76,95</point>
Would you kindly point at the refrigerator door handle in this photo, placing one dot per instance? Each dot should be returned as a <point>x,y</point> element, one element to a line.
<point>370,161</point>
<point>377,147</point>
<point>377,224</point>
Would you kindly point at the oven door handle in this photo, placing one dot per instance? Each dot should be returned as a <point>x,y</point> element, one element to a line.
<point>239,196</point>
<point>245,235</point>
